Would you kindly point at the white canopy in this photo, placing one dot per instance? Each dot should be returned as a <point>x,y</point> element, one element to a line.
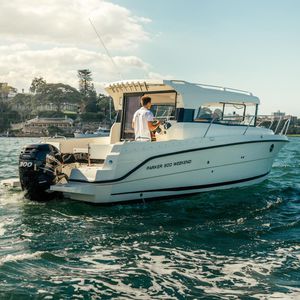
<point>189,95</point>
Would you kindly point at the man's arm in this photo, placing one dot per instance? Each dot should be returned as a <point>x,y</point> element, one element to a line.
<point>150,119</point>
<point>151,126</point>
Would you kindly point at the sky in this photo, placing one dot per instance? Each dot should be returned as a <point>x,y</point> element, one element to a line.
<point>251,45</point>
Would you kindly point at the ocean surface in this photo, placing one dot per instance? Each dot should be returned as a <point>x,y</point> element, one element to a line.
<point>233,244</point>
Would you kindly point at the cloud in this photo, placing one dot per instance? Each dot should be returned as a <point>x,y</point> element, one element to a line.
<point>61,65</point>
<point>67,22</point>
<point>54,39</point>
<point>6,49</point>
<point>155,75</point>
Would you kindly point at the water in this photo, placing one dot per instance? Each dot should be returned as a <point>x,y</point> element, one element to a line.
<point>234,244</point>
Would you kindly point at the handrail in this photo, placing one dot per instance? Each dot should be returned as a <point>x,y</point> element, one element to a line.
<point>271,124</point>
<point>285,127</point>
<point>288,125</point>
<point>212,86</point>
<point>223,88</point>
<point>283,131</point>
<point>209,127</point>
<point>248,125</point>
<point>141,85</point>
<point>262,121</point>
<point>278,124</point>
<point>216,118</point>
<point>272,119</point>
<point>258,124</point>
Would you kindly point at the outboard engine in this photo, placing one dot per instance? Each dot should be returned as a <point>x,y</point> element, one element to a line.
<point>40,167</point>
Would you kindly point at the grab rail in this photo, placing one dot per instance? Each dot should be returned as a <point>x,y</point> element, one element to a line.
<point>217,87</point>
<point>283,131</point>
<point>271,124</point>
<point>272,119</point>
<point>209,127</point>
<point>248,125</point>
<point>285,127</point>
<point>278,124</point>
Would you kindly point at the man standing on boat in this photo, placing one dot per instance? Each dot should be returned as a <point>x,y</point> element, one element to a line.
<point>142,121</point>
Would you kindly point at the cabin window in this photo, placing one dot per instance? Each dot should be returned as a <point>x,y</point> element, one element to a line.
<point>207,113</point>
<point>226,113</point>
<point>240,114</point>
<point>163,111</point>
<point>233,113</point>
<point>250,114</point>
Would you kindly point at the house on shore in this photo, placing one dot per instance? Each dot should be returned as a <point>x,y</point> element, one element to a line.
<point>39,126</point>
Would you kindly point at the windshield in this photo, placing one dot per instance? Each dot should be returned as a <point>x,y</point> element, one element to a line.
<point>163,111</point>
<point>226,113</point>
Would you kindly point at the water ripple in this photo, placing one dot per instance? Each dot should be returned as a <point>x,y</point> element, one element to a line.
<point>232,244</point>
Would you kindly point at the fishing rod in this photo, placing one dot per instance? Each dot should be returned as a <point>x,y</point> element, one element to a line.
<point>107,52</point>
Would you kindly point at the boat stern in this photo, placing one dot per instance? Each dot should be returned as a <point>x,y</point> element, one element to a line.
<point>86,192</point>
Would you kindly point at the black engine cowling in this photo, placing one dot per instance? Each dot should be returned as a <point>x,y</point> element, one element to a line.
<point>39,168</point>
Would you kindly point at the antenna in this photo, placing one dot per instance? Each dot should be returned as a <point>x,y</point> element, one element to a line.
<point>107,52</point>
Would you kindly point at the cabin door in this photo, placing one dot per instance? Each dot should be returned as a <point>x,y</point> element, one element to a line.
<point>130,105</point>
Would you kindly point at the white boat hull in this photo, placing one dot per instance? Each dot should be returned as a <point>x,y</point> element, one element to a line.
<point>210,138</point>
<point>211,166</point>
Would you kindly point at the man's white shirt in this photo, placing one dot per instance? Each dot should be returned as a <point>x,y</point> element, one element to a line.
<point>140,119</point>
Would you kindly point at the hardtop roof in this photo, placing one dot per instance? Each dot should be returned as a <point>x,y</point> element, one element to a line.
<point>190,95</point>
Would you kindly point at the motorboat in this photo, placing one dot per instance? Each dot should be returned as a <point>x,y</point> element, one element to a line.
<point>209,139</point>
<point>101,131</point>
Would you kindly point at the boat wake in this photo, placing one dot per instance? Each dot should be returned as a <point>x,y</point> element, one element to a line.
<point>231,244</point>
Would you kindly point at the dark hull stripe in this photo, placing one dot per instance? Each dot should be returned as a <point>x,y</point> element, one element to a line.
<point>170,154</point>
<point>196,187</point>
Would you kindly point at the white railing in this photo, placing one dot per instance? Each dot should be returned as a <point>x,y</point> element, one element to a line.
<point>282,125</point>
<point>285,127</point>
<point>281,128</point>
<point>216,87</point>
<point>244,133</point>
<point>222,88</point>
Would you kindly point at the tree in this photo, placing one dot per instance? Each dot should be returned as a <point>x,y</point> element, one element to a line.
<point>4,120</point>
<point>24,104</point>
<point>57,93</point>
<point>5,89</point>
<point>4,107</point>
<point>37,84</point>
<point>87,91</point>
<point>53,130</point>
<point>85,82</point>
<point>7,115</point>
<point>91,106</point>
<point>105,105</point>
<point>91,102</point>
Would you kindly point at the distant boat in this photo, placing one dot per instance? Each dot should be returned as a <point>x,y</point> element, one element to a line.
<point>101,131</point>
<point>5,134</point>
